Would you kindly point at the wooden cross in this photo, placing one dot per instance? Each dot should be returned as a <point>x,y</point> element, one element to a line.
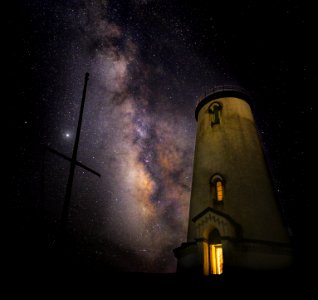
<point>74,163</point>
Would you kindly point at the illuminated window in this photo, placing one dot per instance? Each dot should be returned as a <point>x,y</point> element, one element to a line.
<point>217,188</point>
<point>215,110</point>
<point>219,191</point>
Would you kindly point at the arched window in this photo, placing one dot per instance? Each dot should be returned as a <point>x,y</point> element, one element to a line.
<point>215,111</point>
<point>217,188</point>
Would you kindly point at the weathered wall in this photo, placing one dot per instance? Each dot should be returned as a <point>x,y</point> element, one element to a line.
<point>233,150</point>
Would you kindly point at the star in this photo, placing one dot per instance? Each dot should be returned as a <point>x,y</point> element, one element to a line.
<point>148,64</point>
<point>67,135</point>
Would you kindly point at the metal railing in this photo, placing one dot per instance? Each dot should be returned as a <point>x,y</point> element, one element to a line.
<point>222,88</point>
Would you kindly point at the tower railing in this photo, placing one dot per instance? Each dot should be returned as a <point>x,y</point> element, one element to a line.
<point>222,88</point>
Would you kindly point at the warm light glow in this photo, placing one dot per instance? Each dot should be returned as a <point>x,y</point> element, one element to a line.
<point>219,191</point>
<point>212,259</point>
<point>206,264</point>
<point>216,259</point>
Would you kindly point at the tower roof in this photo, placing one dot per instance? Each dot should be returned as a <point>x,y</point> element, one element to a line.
<point>221,92</point>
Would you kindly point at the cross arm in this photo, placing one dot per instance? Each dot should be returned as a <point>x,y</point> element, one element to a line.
<point>69,159</point>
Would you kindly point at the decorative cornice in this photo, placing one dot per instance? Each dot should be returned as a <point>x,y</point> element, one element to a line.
<point>217,212</point>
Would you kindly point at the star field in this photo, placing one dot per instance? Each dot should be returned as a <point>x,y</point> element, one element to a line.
<point>148,61</point>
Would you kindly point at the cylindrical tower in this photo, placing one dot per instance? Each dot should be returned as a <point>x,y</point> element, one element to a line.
<point>233,218</point>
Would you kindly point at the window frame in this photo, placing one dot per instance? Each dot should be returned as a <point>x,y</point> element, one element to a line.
<point>215,111</point>
<point>214,189</point>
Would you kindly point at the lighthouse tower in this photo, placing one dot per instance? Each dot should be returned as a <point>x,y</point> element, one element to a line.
<point>234,220</point>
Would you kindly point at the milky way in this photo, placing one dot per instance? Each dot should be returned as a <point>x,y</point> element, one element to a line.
<point>148,61</point>
<point>150,152</point>
<point>138,129</point>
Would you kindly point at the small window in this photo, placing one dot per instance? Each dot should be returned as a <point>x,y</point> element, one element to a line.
<point>219,191</point>
<point>215,111</point>
<point>217,188</point>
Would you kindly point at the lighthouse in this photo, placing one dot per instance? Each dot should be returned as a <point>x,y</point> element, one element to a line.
<point>234,219</point>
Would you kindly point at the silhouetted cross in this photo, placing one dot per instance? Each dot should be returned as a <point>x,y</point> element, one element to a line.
<point>74,162</point>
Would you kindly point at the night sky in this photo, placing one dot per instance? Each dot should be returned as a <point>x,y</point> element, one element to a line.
<point>149,61</point>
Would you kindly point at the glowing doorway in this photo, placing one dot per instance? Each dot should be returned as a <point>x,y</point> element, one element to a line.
<point>216,259</point>
<point>212,259</point>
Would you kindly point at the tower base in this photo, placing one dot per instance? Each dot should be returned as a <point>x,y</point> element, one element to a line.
<point>237,254</point>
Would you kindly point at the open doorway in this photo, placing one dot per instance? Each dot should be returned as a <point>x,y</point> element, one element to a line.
<point>213,254</point>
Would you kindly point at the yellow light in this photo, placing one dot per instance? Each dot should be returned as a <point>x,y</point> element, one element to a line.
<point>219,191</point>
<point>219,259</point>
<point>216,259</point>
<point>206,267</point>
<point>212,259</point>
